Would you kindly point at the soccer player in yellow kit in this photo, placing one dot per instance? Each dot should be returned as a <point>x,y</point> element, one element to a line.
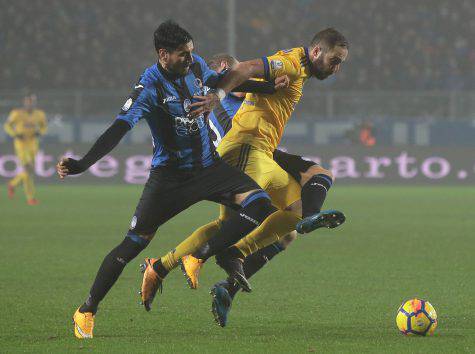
<point>256,132</point>
<point>25,125</point>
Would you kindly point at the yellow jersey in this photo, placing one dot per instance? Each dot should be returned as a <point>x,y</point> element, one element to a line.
<point>25,123</point>
<point>261,119</point>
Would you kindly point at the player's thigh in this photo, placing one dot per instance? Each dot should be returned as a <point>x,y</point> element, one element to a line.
<point>26,152</point>
<point>294,165</point>
<point>225,212</point>
<point>284,190</point>
<point>225,184</point>
<point>162,198</point>
<point>21,152</point>
<point>256,163</point>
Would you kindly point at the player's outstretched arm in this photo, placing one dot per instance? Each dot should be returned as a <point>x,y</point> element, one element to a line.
<point>236,76</point>
<point>265,87</point>
<point>104,144</point>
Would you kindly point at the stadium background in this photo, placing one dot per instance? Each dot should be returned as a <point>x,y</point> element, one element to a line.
<point>410,75</point>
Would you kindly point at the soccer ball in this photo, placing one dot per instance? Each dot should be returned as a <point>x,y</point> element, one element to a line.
<point>416,317</point>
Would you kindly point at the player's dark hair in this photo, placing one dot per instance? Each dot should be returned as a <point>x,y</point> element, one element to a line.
<point>330,38</point>
<point>169,35</point>
<point>216,60</point>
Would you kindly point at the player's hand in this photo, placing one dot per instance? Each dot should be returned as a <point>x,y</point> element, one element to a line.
<point>281,82</point>
<point>68,166</point>
<point>205,104</point>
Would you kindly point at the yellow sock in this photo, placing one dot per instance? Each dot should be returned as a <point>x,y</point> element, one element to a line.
<point>276,226</point>
<point>191,244</point>
<point>197,239</point>
<point>29,186</point>
<point>17,179</point>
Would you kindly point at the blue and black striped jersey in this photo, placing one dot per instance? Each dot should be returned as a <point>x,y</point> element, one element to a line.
<point>220,119</point>
<point>164,101</point>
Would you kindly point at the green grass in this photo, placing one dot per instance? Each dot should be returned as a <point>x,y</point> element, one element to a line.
<point>331,291</point>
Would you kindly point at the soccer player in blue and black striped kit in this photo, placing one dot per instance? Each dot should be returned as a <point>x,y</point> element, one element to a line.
<point>185,166</point>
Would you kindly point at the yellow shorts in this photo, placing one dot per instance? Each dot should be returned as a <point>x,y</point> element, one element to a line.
<point>261,167</point>
<point>26,151</point>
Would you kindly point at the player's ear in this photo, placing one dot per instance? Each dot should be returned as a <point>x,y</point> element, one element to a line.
<point>163,54</point>
<point>317,51</point>
<point>223,65</point>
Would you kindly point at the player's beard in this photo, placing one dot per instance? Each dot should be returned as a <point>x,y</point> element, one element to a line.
<point>320,72</point>
<point>181,69</point>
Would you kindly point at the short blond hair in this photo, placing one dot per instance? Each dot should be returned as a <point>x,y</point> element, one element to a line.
<point>215,61</point>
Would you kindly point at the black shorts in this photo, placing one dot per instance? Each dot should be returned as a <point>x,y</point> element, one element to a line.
<point>294,165</point>
<point>169,191</point>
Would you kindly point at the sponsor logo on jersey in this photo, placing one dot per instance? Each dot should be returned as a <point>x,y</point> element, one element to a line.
<point>198,83</point>
<point>276,64</point>
<point>188,126</point>
<point>250,103</point>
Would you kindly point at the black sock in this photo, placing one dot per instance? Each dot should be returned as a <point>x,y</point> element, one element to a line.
<point>254,262</point>
<point>255,209</point>
<point>314,193</point>
<point>111,268</point>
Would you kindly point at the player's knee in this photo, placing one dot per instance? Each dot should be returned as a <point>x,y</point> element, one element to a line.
<point>256,207</point>
<point>257,196</point>
<point>314,171</point>
<point>141,238</point>
<point>28,168</point>
<point>288,239</point>
<point>241,197</point>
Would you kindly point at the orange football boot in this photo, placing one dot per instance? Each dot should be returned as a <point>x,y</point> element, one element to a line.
<point>191,267</point>
<point>151,283</point>
<point>83,324</point>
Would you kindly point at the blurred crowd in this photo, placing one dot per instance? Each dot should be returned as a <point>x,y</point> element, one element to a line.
<point>394,44</point>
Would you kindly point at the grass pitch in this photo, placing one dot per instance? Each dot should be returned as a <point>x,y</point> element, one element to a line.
<point>331,291</point>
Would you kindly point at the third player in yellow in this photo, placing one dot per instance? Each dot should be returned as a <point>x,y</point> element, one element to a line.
<point>25,125</point>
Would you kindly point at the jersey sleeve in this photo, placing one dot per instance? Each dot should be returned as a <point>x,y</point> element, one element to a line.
<point>140,104</point>
<point>279,65</point>
<point>42,123</point>
<point>9,125</point>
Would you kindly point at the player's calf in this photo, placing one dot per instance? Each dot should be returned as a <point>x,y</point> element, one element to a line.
<point>111,268</point>
<point>255,209</point>
<point>317,181</point>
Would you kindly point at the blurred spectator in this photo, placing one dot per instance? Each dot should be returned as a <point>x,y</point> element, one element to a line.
<point>394,44</point>
<point>366,134</point>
